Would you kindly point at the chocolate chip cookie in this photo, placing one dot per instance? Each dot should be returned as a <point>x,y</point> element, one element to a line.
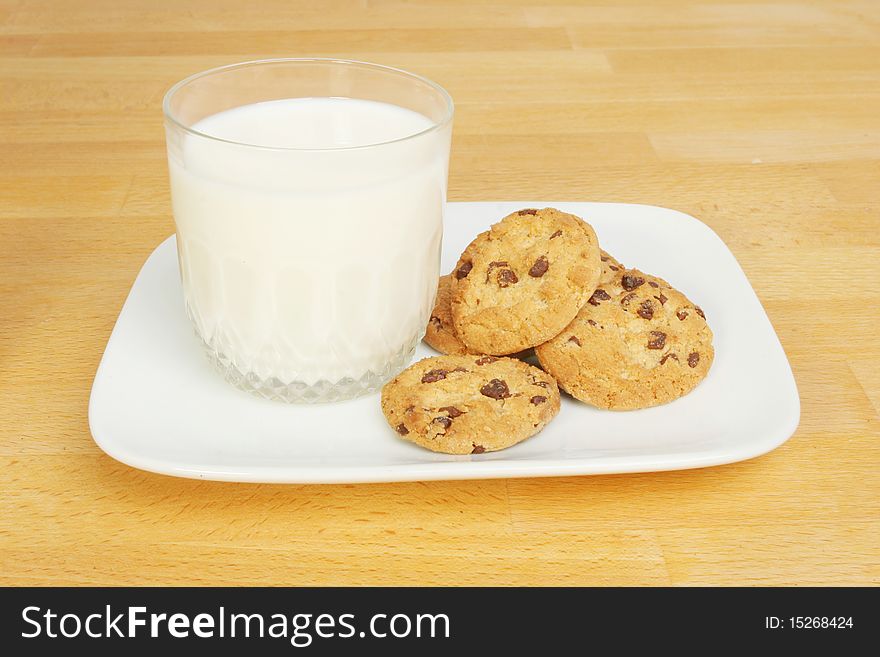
<point>521,282</point>
<point>638,342</point>
<point>440,332</point>
<point>469,404</point>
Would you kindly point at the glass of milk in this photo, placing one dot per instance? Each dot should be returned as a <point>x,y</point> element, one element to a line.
<point>308,197</point>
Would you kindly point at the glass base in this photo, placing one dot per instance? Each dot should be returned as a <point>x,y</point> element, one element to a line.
<point>314,393</point>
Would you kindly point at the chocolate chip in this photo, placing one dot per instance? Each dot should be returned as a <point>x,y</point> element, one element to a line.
<point>662,299</point>
<point>434,375</point>
<point>700,312</point>
<point>681,314</point>
<point>451,411</point>
<point>460,369</point>
<point>627,298</point>
<point>591,322</point>
<point>478,449</point>
<point>539,268</point>
<point>543,384</point>
<point>538,399</point>
<point>402,430</point>
<point>604,258</point>
<point>436,321</point>
<point>506,278</point>
<point>653,284</point>
<point>496,389</point>
<point>574,339</point>
<point>527,211</point>
<point>657,341</point>
<point>613,268</point>
<point>599,295</point>
<point>693,359</point>
<point>464,270</point>
<point>646,310</point>
<point>556,234</point>
<point>485,360</point>
<point>443,421</point>
<point>494,265</point>
<point>667,357</point>
<point>631,282</point>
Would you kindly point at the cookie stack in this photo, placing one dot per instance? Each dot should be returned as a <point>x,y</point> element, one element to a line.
<point>612,337</point>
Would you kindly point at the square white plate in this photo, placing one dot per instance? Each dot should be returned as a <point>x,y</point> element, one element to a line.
<point>158,405</point>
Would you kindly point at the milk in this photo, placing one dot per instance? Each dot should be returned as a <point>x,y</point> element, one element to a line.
<point>316,263</point>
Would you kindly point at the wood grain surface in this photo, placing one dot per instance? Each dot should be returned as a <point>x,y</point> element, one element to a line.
<point>760,118</point>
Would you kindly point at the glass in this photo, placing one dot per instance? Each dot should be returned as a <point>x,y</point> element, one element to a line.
<point>308,198</point>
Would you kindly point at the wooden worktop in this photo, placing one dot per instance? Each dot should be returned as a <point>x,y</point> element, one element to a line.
<point>761,119</point>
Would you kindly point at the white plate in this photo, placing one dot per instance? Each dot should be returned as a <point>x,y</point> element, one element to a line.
<point>158,405</point>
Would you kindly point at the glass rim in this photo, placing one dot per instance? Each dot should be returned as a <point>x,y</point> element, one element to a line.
<point>435,125</point>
